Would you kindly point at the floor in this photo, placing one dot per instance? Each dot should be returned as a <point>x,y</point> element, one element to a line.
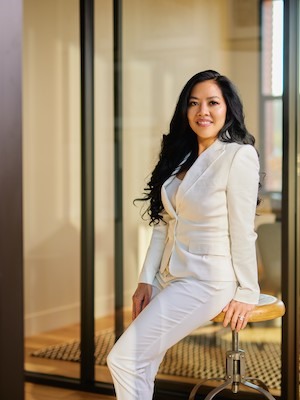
<point>40,392</point>
<point>71,369</point>
<point>63,368</point>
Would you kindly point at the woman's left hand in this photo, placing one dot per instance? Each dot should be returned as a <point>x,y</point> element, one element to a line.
<point>237,314</point>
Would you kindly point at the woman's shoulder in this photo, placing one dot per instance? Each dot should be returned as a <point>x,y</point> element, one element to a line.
<point>233,147</point>
<point>241,154</point>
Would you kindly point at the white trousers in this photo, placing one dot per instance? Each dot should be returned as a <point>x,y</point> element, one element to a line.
<point>174,311</point>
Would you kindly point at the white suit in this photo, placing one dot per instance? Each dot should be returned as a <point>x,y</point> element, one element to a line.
<point>208,246</point>
<point>210,235</point>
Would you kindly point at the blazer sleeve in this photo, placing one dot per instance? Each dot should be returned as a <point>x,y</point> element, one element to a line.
<point>242,190</point>
<point>155,251</point>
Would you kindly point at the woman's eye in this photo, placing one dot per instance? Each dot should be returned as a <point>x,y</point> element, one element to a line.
<point>192,103</point>
<point>213,103</point>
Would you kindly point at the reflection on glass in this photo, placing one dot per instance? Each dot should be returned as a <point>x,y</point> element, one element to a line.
<point>51,143</point>
<point>271,100</point>
<point>277,49</point>
<point>272,46</point>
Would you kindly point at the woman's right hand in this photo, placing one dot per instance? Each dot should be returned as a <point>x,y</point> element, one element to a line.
<point>141,298</point>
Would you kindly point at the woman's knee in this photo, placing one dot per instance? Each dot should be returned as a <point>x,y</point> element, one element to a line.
<point>112,359</point>
<point>115,360</point>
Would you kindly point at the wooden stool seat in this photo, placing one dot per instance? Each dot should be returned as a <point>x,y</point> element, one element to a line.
<point>268,308</point>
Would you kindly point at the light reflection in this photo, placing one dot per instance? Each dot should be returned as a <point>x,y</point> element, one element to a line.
<point>277,48</point>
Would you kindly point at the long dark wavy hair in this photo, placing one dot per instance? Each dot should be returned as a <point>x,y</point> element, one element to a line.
<point>182,140</point>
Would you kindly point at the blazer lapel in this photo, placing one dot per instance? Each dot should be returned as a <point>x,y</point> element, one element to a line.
<point>165,199</point>
<point>164,196</point>
<point>204,161</point>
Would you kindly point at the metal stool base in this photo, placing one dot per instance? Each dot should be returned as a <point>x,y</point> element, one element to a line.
<point>235,375</point>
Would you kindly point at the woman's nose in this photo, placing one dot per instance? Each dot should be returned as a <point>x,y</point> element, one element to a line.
<point>203,110</point>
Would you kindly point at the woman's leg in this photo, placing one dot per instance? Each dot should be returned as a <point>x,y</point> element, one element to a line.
<point>184,305</point>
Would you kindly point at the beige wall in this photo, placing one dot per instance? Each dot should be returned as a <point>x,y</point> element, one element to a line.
<point>51,116</point>
<point>165,42</point>
<point>104,159</point>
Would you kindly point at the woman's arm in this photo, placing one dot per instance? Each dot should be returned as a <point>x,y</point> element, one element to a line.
<point>242,190</point>
<point>155,251</point>
<point>142,295</point>
<point>141,298</point>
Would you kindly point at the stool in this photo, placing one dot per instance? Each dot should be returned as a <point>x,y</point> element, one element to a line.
<point>268,308</point>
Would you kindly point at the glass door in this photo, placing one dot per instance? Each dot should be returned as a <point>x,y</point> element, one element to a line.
<point>104,186</point>
<point>163,43</point>
<point>51,172</point>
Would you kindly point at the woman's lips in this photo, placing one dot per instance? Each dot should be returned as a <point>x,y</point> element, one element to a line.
<point>203,122</point>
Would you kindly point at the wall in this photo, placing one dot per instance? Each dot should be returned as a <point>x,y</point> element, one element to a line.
<point>11,246</point>
<point>51,163</point>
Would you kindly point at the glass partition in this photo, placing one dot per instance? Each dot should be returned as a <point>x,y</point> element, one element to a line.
<point>104,183</point>
<point>51,165</point>
<point>164,43</point>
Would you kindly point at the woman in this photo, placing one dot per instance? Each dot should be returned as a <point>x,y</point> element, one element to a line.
<point>201,259</point>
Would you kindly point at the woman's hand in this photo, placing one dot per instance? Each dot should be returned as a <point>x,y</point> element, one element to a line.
<point>141,298</point>
<point>237,314</point>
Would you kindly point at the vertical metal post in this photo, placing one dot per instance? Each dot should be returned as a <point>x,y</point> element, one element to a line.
<point>11,241</point>
<point>87,191</point>
<point>118,114</point>
<point>235,341</point>
<point>290,265</point>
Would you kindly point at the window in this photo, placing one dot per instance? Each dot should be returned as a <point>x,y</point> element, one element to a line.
<point>272,90</point>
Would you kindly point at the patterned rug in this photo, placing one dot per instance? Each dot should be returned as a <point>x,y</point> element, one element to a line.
<point>197,356</point>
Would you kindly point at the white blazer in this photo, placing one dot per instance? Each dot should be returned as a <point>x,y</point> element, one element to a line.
<point>210,233</point>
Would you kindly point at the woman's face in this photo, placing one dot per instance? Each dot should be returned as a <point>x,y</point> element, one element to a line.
<point>206,112</point>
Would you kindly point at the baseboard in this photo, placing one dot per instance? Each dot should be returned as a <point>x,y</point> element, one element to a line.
<point>57,317</point>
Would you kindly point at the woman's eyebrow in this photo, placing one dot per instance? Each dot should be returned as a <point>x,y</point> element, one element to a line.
<point>208,98</point>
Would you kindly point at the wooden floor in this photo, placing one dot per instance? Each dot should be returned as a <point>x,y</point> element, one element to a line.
<point>57,336</point>
<point>71,369</point>
<point>63,368</point>
<point>40,392</point>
